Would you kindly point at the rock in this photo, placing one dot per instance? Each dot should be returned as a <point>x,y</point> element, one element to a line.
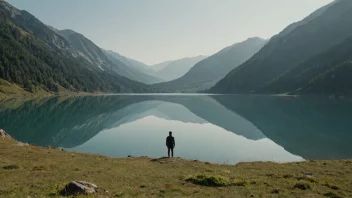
<point>309,175</point>
<point>3,133</point>
<point>22,144</point>
<point>78,188</point>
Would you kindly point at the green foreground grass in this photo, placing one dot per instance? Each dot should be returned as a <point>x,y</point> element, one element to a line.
<point>31,171</point>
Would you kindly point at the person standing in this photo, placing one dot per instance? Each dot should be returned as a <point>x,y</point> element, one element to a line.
<point>170,143</point>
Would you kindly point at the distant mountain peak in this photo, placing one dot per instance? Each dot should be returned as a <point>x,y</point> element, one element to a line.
<point>171,70</point>
<point>255,39</point>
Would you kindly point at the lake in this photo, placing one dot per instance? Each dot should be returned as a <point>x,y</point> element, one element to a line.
<point>216,128</point>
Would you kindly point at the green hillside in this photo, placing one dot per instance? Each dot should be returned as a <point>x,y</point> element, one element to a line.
<point>28,59</point>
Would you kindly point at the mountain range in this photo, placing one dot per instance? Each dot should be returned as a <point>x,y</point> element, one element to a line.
<point>162,72</point>
<point>38,58</point>
<point>171,70</point>
<point>309,57</point>
<point>209,71</point>
<point>140,70</point>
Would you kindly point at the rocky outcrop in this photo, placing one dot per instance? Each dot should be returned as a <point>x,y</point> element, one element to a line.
<point>3,133</point>
<point>79,188</point>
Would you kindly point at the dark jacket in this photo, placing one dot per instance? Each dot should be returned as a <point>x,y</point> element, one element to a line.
<point>170,141</point>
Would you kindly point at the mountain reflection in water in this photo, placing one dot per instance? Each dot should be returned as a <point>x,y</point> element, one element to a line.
<point>217,128</point>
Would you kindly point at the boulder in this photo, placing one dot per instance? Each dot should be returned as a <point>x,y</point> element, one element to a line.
<point>78,188</point>
<point>3,133</point>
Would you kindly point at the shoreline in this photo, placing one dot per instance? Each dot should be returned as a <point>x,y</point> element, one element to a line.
<point>23,166</point>
<point>82,94</point>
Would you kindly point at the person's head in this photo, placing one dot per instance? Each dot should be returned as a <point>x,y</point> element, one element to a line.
<point>170,133</point>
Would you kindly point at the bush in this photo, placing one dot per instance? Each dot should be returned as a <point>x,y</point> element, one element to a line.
<point>10,167</point>
<point>331,195</point>
<point>302,186</point>
<point>205,180</point>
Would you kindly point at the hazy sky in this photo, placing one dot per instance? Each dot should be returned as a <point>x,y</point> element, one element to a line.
<point>157,30</point>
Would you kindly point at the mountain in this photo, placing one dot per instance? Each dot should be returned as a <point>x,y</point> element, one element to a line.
<point>87,49</point>
<point>144,70</point>
<point>166,71</point>
<point>177,68</point>
<point>210,70</point>
<point>319,32</point>
<point>37,58</point>
<point>327,73</point>
<point>96,56</point>
<point>306,20</point>
<point>160,66</point>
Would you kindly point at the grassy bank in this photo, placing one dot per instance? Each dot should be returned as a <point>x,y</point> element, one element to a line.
<point>10,91</point>
<point>27,170</point>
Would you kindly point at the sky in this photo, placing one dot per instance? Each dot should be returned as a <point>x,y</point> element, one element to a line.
<point>153,31</point>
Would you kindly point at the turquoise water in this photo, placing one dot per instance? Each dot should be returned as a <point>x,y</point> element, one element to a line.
<point>216,128</point>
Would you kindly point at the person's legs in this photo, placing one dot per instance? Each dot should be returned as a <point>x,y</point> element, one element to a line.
<point>172,151</point>
<point>168,151</point>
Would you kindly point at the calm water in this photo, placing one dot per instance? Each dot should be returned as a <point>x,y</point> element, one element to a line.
<point>215,128</point>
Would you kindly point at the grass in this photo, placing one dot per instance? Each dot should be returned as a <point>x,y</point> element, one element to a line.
<point>43,172</point>
<point>8,89</point>
<point>11,90</point>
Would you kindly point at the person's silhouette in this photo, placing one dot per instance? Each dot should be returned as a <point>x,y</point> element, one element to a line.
<point>170,143</point>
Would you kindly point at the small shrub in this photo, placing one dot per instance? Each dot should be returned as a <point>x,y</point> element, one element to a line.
<point>10,167</point>
<point>253,182</point>
<point>55,191</point>
<point>204,180</point>
<point>239,183</point>
<point>331,195</point>
<point>275,191</point>
<point>331,186</point>
<point>119,195</point>
<point>302,186</point>
<point>161,193</point>
<point>288,176</point>
<point>142,186</point>
<point>311,180</point>
<point>39,168</point>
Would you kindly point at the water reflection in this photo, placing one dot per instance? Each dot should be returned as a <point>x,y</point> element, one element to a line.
<point>206,142</point>
<point>311,127</point>
<point>212,128</point>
